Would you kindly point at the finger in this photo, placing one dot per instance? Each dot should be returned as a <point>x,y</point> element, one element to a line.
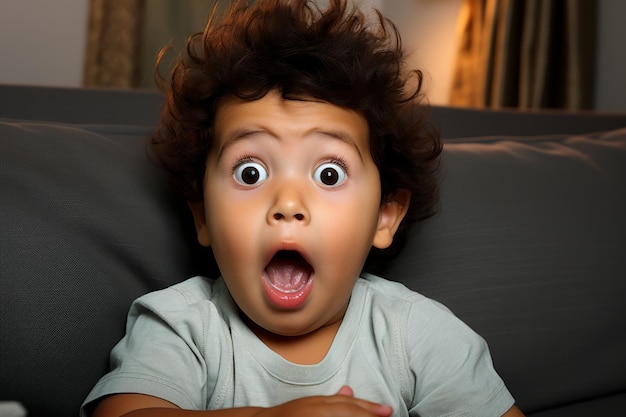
<point>361,408</point>
<point>381,410</point>
<point>346,391</point>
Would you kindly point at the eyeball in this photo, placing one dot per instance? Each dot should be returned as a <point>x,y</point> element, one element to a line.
<point>330,174</point>
<point>250,173</point>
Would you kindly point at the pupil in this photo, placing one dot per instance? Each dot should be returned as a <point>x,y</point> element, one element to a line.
<point>329,176</point>
<point>250,175</point>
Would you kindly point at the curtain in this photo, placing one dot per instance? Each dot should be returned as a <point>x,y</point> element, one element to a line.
<point>125,36</point>
<point>528,54</point>
<point>114,39</point>
<point>170,23</point>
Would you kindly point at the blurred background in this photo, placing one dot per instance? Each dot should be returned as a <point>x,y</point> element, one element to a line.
<point>525,54</point>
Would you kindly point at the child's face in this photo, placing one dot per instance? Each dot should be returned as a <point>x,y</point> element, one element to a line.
<point>292,206</point>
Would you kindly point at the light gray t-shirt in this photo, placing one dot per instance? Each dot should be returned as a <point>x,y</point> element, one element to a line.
<point>188,345</point>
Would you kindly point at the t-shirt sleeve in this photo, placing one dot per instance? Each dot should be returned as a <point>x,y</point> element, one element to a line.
<point>451,367</point>
<point>161,353</point>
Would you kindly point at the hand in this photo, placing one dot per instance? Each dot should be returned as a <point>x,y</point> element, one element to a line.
<point>342,404</point>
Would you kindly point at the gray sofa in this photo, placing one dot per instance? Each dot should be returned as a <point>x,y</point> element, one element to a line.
<point>529,246</point>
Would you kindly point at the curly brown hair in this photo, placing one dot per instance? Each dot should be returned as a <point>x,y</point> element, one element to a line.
<point>335,54</point>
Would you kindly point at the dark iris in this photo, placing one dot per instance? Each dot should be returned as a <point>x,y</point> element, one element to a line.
<point>329,176</point>
<point>250,175</point>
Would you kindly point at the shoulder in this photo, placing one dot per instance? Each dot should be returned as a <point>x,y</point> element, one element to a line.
<point>421,326</point>
<point>198,304</point>
<point>422,316</point>
<point>184,294</point>
<point>409,321</point>
<point>172,338</point>
<point>439,355</point>
<point>396,297</point>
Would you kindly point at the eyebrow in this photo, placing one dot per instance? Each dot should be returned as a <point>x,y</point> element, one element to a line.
<point>237,135</point>
<point>340,135</point>
<point>243,133</point>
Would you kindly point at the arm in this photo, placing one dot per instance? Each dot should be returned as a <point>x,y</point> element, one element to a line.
<point>137,405</point>
<point>341,404</point>
<point>513,412</point>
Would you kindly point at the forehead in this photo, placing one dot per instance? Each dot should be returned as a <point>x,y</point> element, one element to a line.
<point>288,118</point>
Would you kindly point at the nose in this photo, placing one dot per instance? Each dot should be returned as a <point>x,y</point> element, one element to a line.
<point>288,206</point>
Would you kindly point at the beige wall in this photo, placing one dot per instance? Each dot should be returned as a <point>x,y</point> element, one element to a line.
<point>428,30</point>
<point>42,41</point>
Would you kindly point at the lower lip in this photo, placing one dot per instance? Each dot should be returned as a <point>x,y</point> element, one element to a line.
<point>287,300</point>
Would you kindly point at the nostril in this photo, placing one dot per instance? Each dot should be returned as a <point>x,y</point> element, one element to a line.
<point>280,216</point>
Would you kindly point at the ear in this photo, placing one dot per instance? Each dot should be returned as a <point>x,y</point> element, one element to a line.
<point>390,216</point>
<point>199,218</point>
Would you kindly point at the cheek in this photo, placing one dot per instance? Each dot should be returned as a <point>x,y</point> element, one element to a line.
<point>230,232</point>
<point>228,211</point>
<point>350,226</point>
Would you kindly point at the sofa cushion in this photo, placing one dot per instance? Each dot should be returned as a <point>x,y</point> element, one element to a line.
<point>529,248</point>
<point>601,407</point>
<point>88,224</point>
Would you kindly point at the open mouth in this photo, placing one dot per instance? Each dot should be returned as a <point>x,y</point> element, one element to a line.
<point>288,280</point>
<point>288,271</point>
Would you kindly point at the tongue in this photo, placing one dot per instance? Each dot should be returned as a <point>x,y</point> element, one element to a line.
<point>288,274</point>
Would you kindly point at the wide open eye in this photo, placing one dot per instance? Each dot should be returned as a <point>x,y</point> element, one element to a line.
<point>250,173</point>
<point>330,174</point>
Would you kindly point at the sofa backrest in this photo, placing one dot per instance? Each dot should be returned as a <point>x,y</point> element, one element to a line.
<point>141,108</point>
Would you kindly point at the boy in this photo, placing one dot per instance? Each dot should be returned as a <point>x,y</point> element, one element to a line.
<point>292,134</point>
